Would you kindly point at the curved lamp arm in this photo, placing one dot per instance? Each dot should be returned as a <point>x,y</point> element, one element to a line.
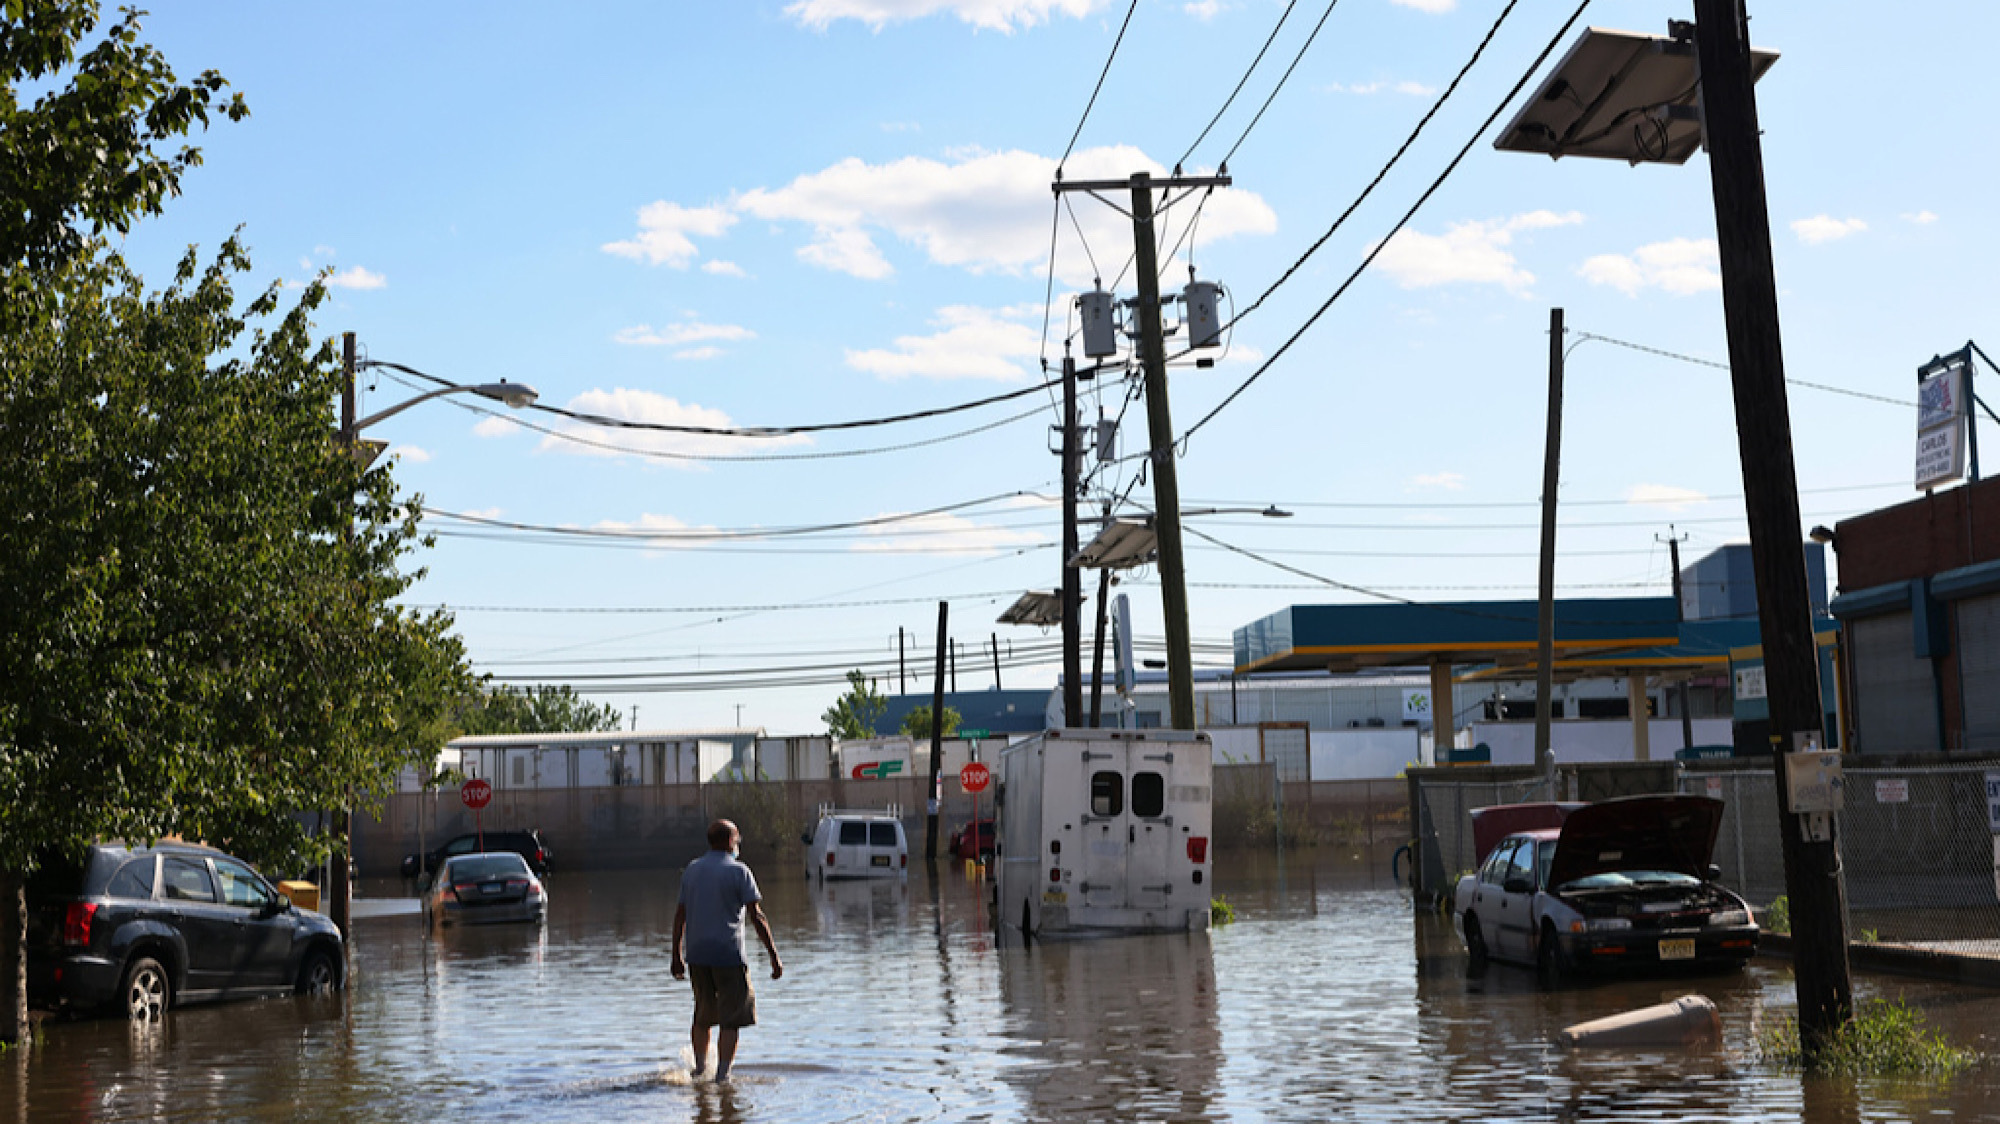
<point>513,394</point>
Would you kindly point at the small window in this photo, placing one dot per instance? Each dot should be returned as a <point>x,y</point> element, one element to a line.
<point>241,886</point>
<point>853,833</point>
<point>1149,795</point>
<point>133,880</point>
<point>520,769</point>
<point>1147,720</point>
<point>187,880</point>
<point>882,835</point>
<point>1107,793</point>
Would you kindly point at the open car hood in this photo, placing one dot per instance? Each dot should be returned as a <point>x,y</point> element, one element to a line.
<point>1675,833</point>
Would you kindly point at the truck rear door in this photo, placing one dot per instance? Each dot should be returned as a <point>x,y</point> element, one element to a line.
<point>1149,829</point>
<point>1106,826</point>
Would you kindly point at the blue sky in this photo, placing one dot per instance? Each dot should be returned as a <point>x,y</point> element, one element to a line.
<point>780,214</point>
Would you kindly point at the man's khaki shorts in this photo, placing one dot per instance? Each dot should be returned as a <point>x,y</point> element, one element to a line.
<point>723,996</point>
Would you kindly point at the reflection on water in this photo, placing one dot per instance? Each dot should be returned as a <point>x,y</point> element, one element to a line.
<point>1328,999</point>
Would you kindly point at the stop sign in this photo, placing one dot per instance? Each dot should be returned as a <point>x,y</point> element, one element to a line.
<point>476,793</point>
<point>974,777</point>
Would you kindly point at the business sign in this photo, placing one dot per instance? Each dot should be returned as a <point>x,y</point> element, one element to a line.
<point>1941,425</point>
<point>1993,802</point>
<point>1417,703</point>
<point>876,770</point>
<point>1892,790</point>
<point>1750,682</point>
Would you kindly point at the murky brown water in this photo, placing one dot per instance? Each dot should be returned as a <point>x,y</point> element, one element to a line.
<point>1327,1000</point>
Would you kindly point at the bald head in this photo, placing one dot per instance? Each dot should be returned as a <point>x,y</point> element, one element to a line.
<point>722,835</point>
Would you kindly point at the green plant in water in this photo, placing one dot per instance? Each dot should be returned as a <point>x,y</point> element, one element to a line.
<point>1778,918</point>
<point>1884,1037</point>
<point>1870,936</point>
<point>1220,912</point>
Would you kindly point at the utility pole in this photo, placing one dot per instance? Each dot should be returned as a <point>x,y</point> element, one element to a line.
<point>1072,579</point>
<point>1545,613</point>
<point>902,671</point>
<point>937,737</point>
<point>1160,429</point>
<point>996,661</point>
<point>339,899</point>
<point>1097,659</point>
<point>1674,542</point>
<point>954,667</point>
<point>1771,501</point>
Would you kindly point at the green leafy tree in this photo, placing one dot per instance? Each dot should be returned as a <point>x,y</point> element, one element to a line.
<point>197,585</point>
<point>535,710</point>
<point>917,723</point>
<point>95,147</point>
<point>854,714</point>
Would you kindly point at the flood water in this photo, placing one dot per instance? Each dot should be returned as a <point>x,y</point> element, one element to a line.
<point>1328,999</point>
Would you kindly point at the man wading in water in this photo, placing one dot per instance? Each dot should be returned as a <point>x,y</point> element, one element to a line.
<point>715,892</point>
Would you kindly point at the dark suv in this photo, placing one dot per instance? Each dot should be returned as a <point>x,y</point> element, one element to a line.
<point>141,931</point>
<point>527,844</point>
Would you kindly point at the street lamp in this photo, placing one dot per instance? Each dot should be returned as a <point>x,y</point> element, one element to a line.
<point>1649,100</point>
<point>514,396</point>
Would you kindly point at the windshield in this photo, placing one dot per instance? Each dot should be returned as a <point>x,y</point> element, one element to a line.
<point>485,866</point>
<point>1628,879</point>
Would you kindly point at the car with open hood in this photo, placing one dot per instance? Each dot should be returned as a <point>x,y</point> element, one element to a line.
<point>1620,884</point>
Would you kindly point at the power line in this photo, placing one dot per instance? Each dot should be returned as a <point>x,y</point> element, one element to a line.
<point>716,533</point>
<point>1089,105</point>
<point>1437,183</point>
<point>1240,83</point>
<point>1286,77</point>
<point>1426,505</point>
<point>1664,354</point>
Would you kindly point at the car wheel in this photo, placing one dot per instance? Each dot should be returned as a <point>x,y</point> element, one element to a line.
<point>148,991</point>
<point>1550,960</point>
<point>1475,945</point>
<point>318,974</point>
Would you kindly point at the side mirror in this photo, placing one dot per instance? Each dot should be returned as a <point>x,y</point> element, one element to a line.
<point>806,837</point>
<point>1714,873</point>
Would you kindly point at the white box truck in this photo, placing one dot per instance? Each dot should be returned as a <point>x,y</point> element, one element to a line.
<point>1104,831</point>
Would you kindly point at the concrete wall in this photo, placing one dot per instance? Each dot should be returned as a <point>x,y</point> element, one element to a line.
<point>1593,739</point>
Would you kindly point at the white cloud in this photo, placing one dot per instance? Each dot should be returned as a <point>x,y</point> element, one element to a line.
<point>1664,496</point>
<point>1435,7</point>
<point>723,268</point>
<point>1414,89</point>
<point>411,453</point>
<point>496,426</point>
<point>971,343</point>
<point>698,353</point>
<point>1826,228</point>
<point>323,250</point>
<point>485,512</point>
<point>944,534</point>
<point>660,524</point>
<point>1442,481</point>
<point>355,277</point>
<point>688,331</point>
<point>985,212</point>
<point>664,228</point>
<point>1921,218</point>
<point>1681,266</point>
<point>1203,10</point>
<point>989,15</point>
<point>1470,252</point>
<point>655,409</point>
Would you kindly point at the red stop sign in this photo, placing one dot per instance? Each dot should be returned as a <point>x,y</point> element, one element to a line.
<point>974,777</point>
<point>476,794</point>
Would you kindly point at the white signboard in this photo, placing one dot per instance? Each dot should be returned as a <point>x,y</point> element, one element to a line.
<point>1417,703</point>
<point>1892,790</point>
<point>1941,428</point>
<point>1993,802</point>
<point>1715,788</point>
<point>1750,682</point>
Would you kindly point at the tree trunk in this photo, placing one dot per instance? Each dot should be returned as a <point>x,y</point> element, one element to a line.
<point>13,958</point>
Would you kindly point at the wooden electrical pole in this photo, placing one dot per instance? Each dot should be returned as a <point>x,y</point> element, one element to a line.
<point>1097,657</point>
<point>339,899</point>
<point>1545,613</point>
<point>937,736</point>
<point>1680,614</point>
<point>1771,500</point>
<point>1072,578</point>
<point>1160,431</point>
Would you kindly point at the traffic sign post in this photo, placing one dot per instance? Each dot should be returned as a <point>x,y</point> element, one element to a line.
<point>974,778</point>
<point>476,794</point>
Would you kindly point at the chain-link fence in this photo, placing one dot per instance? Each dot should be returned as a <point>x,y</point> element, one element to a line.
<point>1918,857</point>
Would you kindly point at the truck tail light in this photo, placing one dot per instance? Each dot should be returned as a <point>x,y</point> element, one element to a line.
<point>76,923</point>
<point>1055,874</point>
<point>1197,848</point>
<point>905,857</point>
<point>829,858</point>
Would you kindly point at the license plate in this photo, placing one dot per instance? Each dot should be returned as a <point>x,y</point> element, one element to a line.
<point>491,888</point>
<point>1680,949</point>
<point>879,860</point>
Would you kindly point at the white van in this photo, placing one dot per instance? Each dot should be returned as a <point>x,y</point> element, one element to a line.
<point>1105,830</point>
<point>852,843</point>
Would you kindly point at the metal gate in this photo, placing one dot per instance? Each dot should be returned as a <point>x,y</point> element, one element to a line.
<point>1895,697</point>
<point>1979,670</point>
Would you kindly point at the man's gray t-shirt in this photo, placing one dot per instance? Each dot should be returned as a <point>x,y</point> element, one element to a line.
<point>714,889</point>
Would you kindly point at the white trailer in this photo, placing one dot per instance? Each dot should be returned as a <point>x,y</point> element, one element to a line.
<point>1104,831</point>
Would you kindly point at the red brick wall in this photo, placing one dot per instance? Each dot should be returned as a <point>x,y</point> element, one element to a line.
<point>1925,536</point>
